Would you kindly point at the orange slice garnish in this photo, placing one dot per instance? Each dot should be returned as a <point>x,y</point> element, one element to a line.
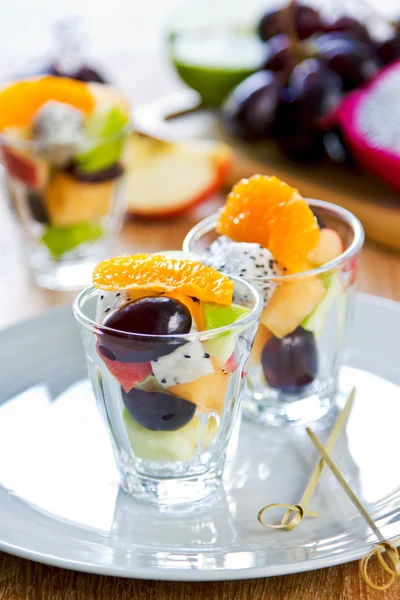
<point>163,274</point>
<point>20,101</point>
<point>269,212</point>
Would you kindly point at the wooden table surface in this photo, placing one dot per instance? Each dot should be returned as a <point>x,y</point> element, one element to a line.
<point>22,579</point>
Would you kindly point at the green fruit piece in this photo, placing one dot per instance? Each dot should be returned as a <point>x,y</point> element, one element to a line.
<point>316,321</point>
<point>104,130</point>
<point>60,240</point>
<point>166,446</point>
<point>215,316</point>
<point>213,63</point>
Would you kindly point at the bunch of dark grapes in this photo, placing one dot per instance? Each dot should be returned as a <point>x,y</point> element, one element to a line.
<point>309,66</point>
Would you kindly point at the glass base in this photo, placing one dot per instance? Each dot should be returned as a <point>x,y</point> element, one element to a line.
<point>170,491</point>
<point>72,273</point>
<point>65,277</point>
<point>267,406</point>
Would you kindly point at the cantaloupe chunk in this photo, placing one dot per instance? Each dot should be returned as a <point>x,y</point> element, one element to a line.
<point>262,337</point>
<point>207,392</point>
<point>291,303</point>
<point>70,201</point>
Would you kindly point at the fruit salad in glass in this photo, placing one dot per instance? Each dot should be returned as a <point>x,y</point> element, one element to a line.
<point>302,257</point>
<point>167,351</point>
<point>61,143</point>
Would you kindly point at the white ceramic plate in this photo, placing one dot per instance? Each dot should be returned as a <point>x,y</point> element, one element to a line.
<point>59,497</point>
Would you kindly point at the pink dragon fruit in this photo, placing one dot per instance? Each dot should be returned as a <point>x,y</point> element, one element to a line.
<point>370,122</point>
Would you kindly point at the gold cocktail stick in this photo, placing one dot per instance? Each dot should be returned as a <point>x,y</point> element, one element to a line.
<point>393,567</point>
<point>300,509</point>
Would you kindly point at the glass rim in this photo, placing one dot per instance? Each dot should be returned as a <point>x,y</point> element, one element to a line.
<point>209,224</point>
<point>241,323</point>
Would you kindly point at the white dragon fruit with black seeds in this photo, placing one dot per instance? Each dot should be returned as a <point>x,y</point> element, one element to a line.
<point>108,302</point>
<point>185,364</point>
<point>58,128</point>
<point>253,262</point>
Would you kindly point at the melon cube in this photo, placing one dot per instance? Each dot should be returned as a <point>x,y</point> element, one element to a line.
<point>291,303</point>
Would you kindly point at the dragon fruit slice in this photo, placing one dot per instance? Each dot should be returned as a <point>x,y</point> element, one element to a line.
<point>250,261</point>
<point>58,128</point>
<point>185,364</point>
<point>370,121</point>
<point>108,302</point>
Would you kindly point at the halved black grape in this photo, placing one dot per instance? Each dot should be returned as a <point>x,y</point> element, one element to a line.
<point>37,207</point>
<point>158,411</point>
<point>336,147</point>
<point>346,23</point>
<point>290,363</point>
<point>353,60</point>
<point>83,73</point>
<point>278,57</point>
<point>96,176</point>
<point>307,21</point>
<point>270,24</point>
<point>389,50</point>
<point>313,91</point>
<point>249,111</point>
<point>149,316</point>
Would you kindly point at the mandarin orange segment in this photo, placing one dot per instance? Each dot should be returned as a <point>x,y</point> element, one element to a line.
<point>268,211</point>
<point>162,273</point>
<point>20,101</point>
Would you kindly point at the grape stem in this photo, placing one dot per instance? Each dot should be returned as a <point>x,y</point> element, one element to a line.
<point>288,27</point>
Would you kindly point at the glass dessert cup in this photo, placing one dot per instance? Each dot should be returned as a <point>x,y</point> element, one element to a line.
<point>169,445</point>
<point>304,328</point>
<point>63,180</point>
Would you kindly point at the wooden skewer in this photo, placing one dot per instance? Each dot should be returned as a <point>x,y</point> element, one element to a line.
<point>383,547</point>
<point>300,510</point>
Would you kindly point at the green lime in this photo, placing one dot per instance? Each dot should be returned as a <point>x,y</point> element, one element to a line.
<point>213,63</point>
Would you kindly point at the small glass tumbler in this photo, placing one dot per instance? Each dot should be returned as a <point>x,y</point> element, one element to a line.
<point>170,440</point>
<point>303,331</point>
<point>68,219</point>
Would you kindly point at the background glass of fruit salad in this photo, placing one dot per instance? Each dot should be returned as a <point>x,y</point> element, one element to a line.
<point>61,144</point>
<point>308,307</point>
<point>170,402</point>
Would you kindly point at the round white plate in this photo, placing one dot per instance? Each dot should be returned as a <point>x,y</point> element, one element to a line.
<point>59,497</point>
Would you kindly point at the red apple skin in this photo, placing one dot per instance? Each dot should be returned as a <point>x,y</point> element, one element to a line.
<point>23,168</point>
<point>230,364</point>
<point>128,374</point>
<point>223,165</point>
<point>330,246</point>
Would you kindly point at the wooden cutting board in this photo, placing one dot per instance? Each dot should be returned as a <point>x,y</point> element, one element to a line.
<point>179,117</point>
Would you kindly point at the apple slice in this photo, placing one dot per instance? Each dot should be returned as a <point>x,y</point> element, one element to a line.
<point>165,178</point>
<point>162,446</point>
<point>291,303</point>
<point>21,165</point>
<point>60,240</point>
<point>329,247</point>
<point>128,374</point>
<point>222,346</point>
<point>316,321</point>
<point>104,135</point>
